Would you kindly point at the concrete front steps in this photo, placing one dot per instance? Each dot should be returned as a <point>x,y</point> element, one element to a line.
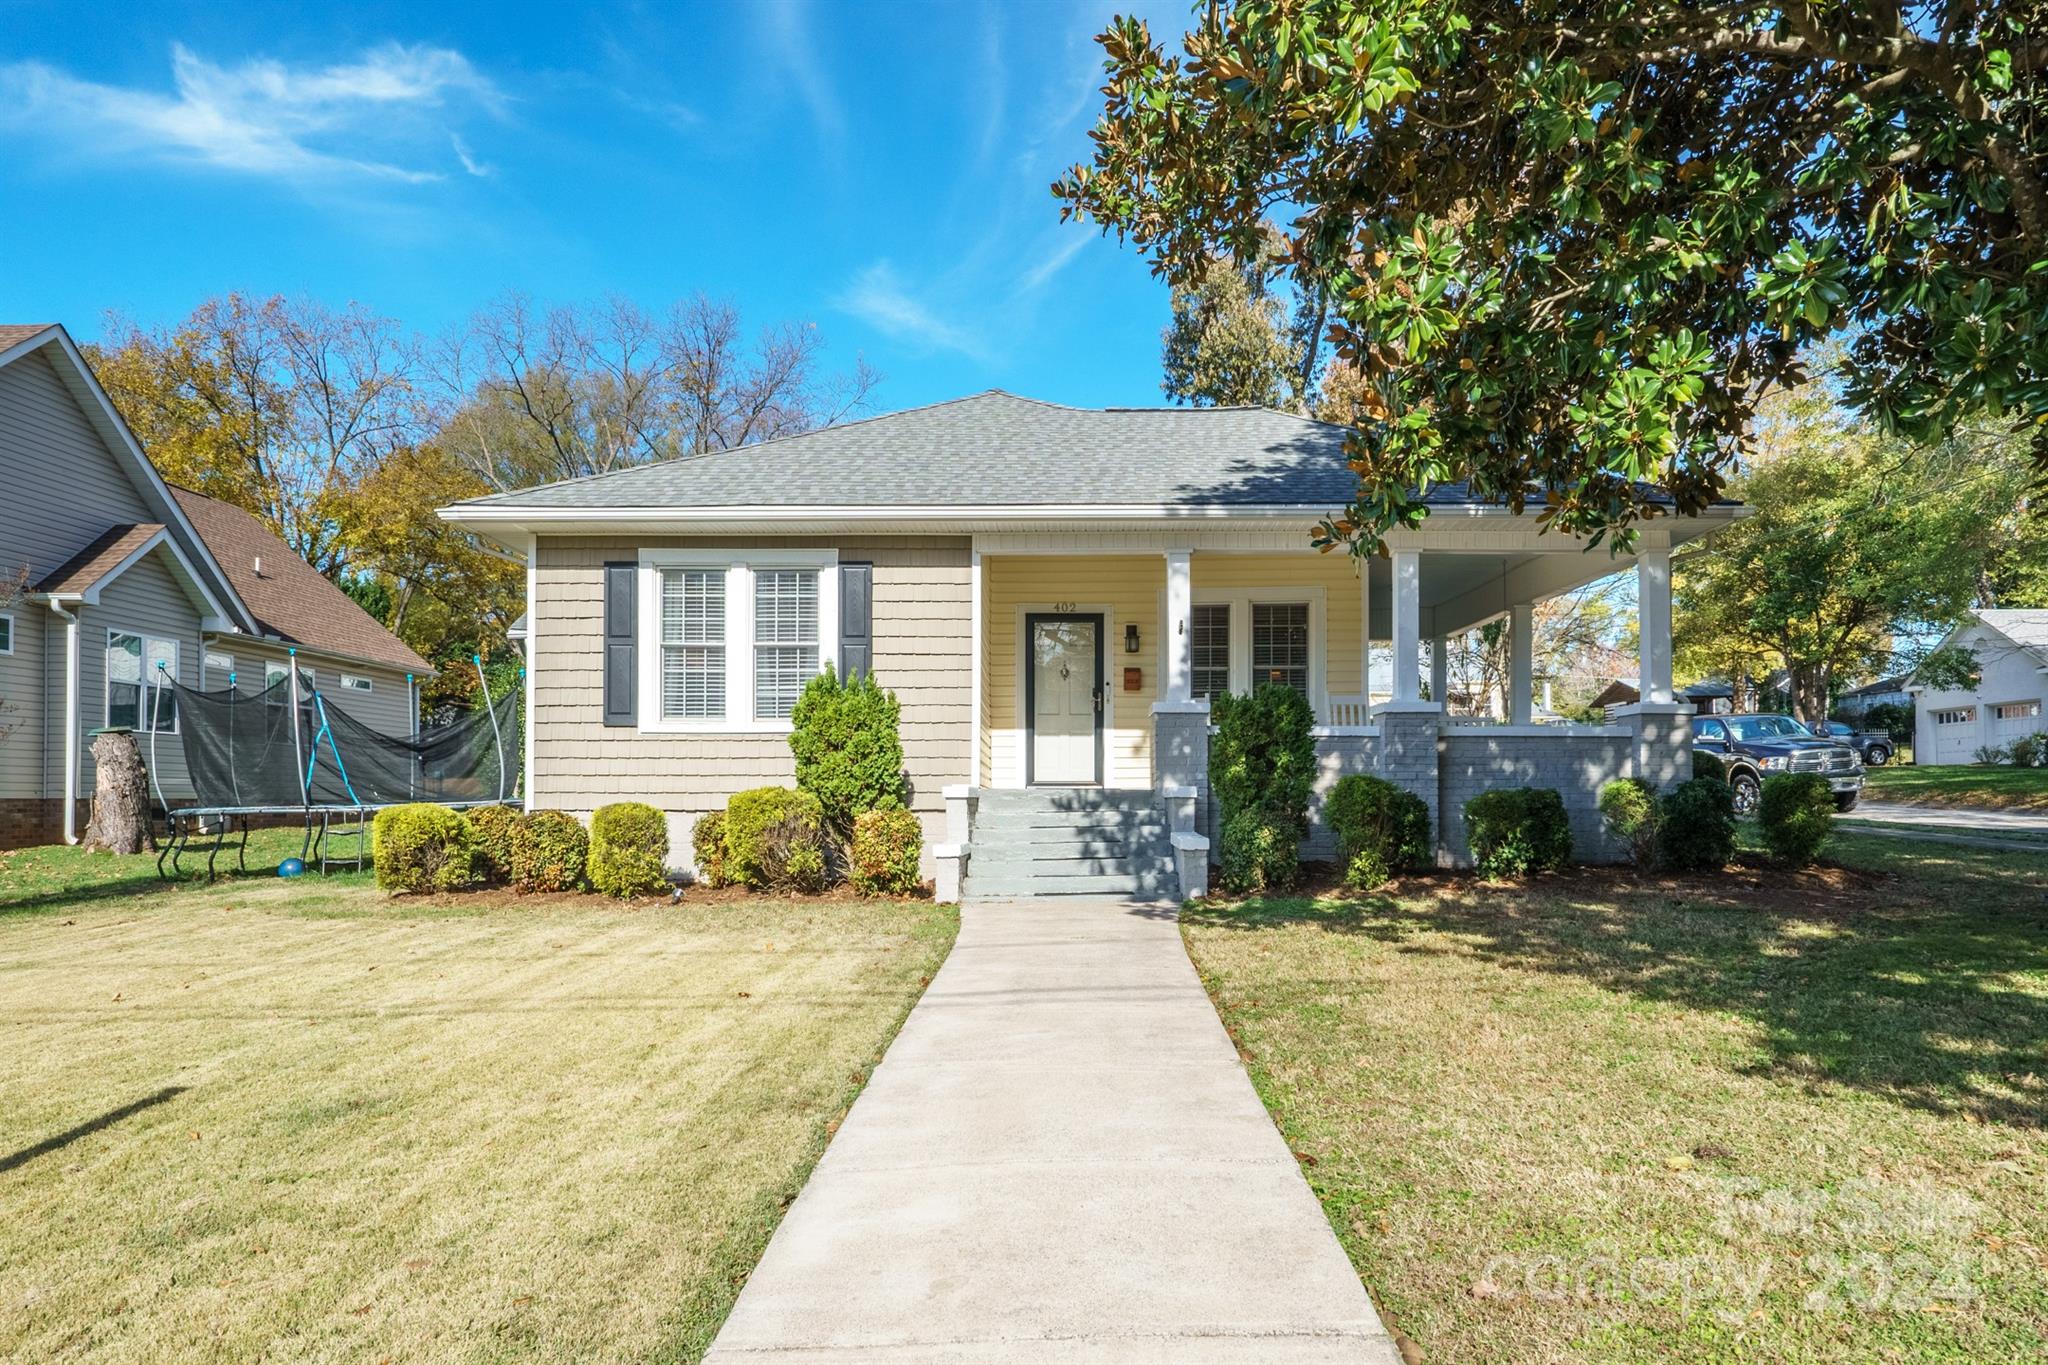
<point>1070,841</point>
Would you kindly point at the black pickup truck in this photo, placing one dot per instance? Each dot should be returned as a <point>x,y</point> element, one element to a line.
<point>1754,747</point>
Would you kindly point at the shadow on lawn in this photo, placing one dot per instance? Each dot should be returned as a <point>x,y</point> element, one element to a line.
<point>1920,1001</point>
<point>88,1128</point>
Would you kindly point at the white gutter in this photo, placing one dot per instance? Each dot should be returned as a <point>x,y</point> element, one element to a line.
<point>71,718</point>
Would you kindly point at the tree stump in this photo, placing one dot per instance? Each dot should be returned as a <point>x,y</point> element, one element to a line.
<point>120,798</point>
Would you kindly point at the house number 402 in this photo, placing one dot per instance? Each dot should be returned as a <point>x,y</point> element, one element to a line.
<point>1063,606</point>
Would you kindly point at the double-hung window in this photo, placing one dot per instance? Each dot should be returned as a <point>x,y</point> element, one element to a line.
<point>729,642</point>
<point>138,695</point>
<point>693,644</point>
<point>1209,650</point>
<point>1280,645</point>
<point>785,639</point>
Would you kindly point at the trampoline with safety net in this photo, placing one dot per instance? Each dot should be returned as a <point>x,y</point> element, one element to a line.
<point>285,755</point>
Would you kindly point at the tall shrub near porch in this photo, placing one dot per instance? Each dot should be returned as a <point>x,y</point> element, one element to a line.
<point>1262,769</point>
<point>848,747</point>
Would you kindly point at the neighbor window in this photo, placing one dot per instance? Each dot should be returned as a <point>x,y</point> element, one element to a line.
<point>1209,650</point>
<point>137,697</point>
<point>6,633</point>
<point>1280,644</point>
<point>1961,716</point>
<point>275,673</point>
<point>2017,710</point>
<point>785,639</point>
<point>351,682</point>
<point>693,644</point>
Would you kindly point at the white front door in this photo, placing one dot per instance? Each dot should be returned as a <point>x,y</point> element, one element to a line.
<point>1066,658</point>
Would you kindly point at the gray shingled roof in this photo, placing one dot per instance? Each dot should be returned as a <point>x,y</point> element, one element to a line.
<point>998,450</point>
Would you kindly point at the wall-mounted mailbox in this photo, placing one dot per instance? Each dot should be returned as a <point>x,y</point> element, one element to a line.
<point>1134,679</point>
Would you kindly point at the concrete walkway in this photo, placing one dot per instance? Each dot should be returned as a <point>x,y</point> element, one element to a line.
<point>1060,1159</point>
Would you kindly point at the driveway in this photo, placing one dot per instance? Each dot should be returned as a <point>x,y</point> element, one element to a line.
<point>1991,828</point>
<point>1060,1159</point>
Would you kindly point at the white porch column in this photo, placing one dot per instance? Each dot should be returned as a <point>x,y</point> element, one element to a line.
<point>1653,615</point>
<point>1522,662</point>
<point>1440,671</point>
<point>1364,631</point>
<point>974,647</point>
<point>1180,610</point>
<point>1407,641</point>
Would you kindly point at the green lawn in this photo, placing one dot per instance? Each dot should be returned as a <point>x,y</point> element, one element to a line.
<point>298,1119</point>
<point>1960,785</point>
<point>1783,1117</point>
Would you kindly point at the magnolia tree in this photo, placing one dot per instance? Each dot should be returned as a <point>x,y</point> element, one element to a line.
<point>1566,246</point>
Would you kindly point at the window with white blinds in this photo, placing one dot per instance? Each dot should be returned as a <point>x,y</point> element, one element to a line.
<point>1209,650</point>
<point>1280,644</point>
<point>785,639</point>
<point>693,644</point>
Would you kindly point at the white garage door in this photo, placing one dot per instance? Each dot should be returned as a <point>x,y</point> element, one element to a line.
<point>1955,734</point>
<point>2015,720</point>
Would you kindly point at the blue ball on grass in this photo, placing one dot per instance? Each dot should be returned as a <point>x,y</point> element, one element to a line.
<point>290,867</point>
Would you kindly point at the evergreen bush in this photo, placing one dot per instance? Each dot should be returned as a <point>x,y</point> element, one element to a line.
<point>1381,830</point>
<point>1628,807</point>
<point>424,847</point>
<point>494,827</point>
<point>775,837</point>
<point>886,844</point>
<point>1517,830</point>
<point>848,747</point>
<point>550,852</point>
<point>628,849</point>
<point>1260,854</point>
<point>1796,814</point>
<point>1696,826</point>
<point>707,843</point>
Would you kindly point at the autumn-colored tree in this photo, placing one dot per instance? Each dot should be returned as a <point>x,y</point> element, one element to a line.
<point>1573,243</point>
<point>393,537</point>
<point>277,406</point>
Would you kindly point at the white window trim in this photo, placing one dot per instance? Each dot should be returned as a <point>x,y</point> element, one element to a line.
<point>8,648</point>
<point>1998,706</point>
<point>356,682</point>
<point>142,707</point>
<point>1964,715</point>
<point>1240,601</point>
<point>740,567</point>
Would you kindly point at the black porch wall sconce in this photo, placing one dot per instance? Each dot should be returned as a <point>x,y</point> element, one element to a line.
<point>1130,637</point>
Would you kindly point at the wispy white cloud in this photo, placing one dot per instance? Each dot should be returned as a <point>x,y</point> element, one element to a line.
<point>793,46</point>
<point>469,162</point>
<point>261,117</point>
<point>879,297</point>
<point>1053,262</point>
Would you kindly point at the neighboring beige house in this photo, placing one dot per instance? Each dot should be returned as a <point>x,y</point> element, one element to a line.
<point>123,571</point>
<point>1054,593</point>
<point>2010,700</point>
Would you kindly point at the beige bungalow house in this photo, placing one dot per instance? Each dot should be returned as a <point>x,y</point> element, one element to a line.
<point>1054,594</point>
<point>110,571</point>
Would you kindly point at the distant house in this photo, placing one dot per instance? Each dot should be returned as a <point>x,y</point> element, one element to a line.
<point>2010,700</point>
<point>1708,698</point>
<point>123,572</point>
<point>1884,692</point>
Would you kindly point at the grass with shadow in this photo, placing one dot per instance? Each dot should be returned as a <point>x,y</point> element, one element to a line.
<point>1767,1115</point>
<point>1960,784</point>
<point>291,1119</point>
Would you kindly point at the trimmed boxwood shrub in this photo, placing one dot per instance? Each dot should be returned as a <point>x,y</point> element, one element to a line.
<point>1628,807</point>
<point>494,826</point>
<point>1696,826</point>
<point>1517,830</point>
<point>1381,829</point>
<point>1260,854</point>
<point>550,850</point>
<point>1796,813</point>
<point>707,843</point>
<point>1709,765</point>
<point>848,751</point>
<point>424,847</point>
<point>886,843</point>
<point>775,837</point>
<point>628,849</point>
<point>1263,755</point>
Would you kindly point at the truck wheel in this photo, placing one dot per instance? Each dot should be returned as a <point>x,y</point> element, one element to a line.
<point>1878,756</point>
<point>1846,801</point>
<point>1748,791</point>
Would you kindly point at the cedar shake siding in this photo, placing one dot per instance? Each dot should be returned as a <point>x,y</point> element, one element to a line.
<point>922,617</point>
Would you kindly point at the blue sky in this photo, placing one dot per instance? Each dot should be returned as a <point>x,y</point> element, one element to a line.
<point>879,170</point>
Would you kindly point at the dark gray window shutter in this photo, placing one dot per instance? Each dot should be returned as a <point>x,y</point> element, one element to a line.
<point>621,617</point>
<point>856,619</point>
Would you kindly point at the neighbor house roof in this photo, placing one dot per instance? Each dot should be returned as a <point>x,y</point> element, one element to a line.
<point>1896,683</point>
<point>996,450</point>
<point>14,333</point>
<point>107,552</point>
<point>290,599</point>
<point>2026,627</point>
